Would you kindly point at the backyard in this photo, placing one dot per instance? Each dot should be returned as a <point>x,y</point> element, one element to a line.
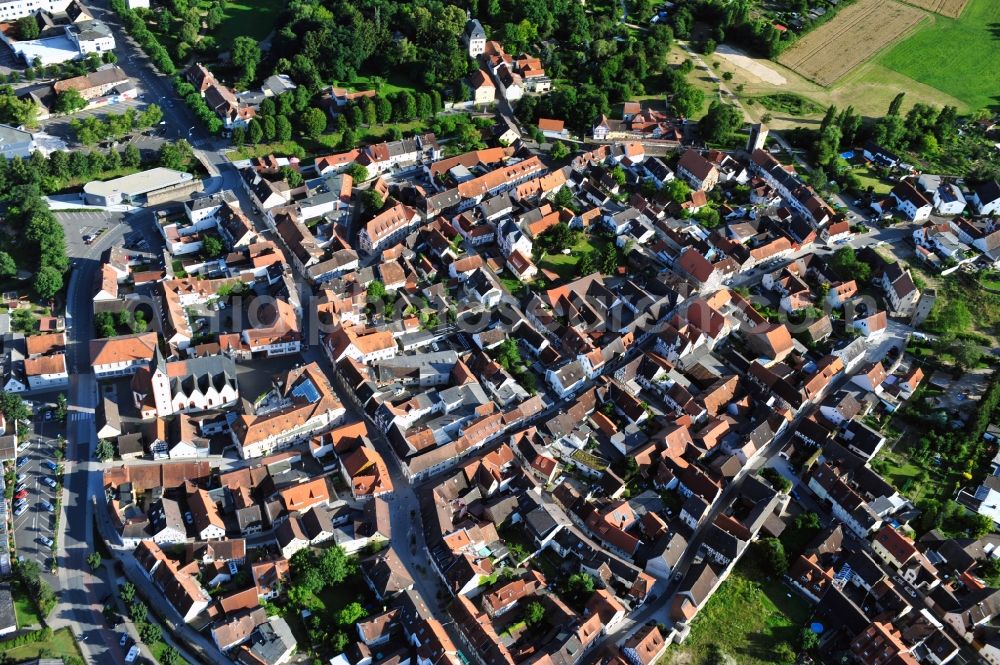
<point>750,622</point>
<point>62,644</point>
<point>564,265</point>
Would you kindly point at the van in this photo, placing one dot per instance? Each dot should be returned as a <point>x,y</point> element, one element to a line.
<point>132,654</point>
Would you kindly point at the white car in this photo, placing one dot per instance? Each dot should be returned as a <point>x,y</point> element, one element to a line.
<point>48,506</point>
<point>45,541</point>
<point>20,509</point>
<point>48,481</point>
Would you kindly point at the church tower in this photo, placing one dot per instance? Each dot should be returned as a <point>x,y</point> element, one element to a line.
<point>160,384</point>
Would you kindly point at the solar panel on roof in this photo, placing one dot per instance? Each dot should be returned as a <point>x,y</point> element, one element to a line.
<point>307,391</point>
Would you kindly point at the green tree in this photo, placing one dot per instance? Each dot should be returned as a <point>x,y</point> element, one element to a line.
<point>176,155</point>
<point>770,556</point>
<point>678,190</point>
<point>350,614</point>
<point>212,247</point>
<point>509,355</point>
<point>127,592</point>
<point>62,407</point>
<point>357,172</point>
<point>150,632</point>
<point>845,263</point>
<point>291,176</point>
<point>105,450</point>
<point>132,158</point>
<point>104,324</point>
<point>721,121</point>
<point>69,101</point>
<point>283,128</point>
<point>27,28</point>
<point>170,656</point>
<point>335,566</point>
<point>255,133</point>
<point>270,126</point>
<point>808,640</point>
<point>607,261</point>
<point>13,407</point>
<point>534,614</point>
<point>579,587</point>
<point>373,200</point>
<point>687,100</point>
<point>376,291</point>
<point>559,151</point>
<point>94,560</point>
<point>48,282</point>
<point>245,54</point>
<point>587,265</point>
<point>313,122</point>
<point>7,266</point>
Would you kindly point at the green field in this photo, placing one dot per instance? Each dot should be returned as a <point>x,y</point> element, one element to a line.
<point>746,620</point>
<point>248,18</point>
<point>956,56</point>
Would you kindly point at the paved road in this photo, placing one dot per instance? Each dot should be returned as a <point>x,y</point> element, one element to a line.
<point>80,592</point>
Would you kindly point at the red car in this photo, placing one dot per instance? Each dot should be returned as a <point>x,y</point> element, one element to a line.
<point>21,494</point>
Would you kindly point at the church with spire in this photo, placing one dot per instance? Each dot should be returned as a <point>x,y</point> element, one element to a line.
<point>184,386</point>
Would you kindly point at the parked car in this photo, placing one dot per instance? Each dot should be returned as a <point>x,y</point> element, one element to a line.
<point>124,640</point>
<point>50,465</point>
<point>48,506</point>
<point>21,494</point>
<point>48,481</point>
<point>20,509</point>
<point>45,540</point>
<point>48,415</point>
<point>21,462</point>
<point>132,654</point>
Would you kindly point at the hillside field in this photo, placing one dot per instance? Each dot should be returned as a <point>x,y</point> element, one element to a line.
<point>959,57</point>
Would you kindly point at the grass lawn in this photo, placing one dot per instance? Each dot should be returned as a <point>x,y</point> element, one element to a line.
<point>952,54</point>
<point>511,284</point>
<point>251,18</point>
<point>24,608</point>
<point>869,179</point>
<point>62,644</point>
<point>564,265</point>
<point>746,620</point>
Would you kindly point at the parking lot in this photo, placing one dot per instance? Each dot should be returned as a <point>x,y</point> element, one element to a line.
<point>33,514</point>
<point>85,223</point>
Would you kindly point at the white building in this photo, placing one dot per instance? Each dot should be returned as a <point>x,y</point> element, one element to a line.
<point>119,356</point>
<point>184,386</point>
<point>46,371</point>
<point>474,37</point>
